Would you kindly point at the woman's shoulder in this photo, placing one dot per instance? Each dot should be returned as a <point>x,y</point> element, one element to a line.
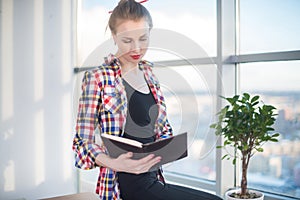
<point>146,65</point>
<point>102,70</point>
<point>101,73</point>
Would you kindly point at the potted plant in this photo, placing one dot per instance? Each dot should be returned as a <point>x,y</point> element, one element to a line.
<point>245,124</point>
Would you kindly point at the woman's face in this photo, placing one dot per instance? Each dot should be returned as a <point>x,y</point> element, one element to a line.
<point>132,39</point>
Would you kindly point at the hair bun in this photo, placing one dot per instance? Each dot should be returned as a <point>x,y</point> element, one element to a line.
<point>129,10</point>
<point>121,2</point>
<point>124,1</point>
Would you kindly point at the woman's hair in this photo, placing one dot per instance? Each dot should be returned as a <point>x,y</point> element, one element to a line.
<point>128,10</point>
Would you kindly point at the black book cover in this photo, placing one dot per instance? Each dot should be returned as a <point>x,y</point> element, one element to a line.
<point>170,149</point>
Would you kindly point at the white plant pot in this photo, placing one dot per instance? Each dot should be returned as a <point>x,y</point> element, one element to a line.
<point>227,197</point>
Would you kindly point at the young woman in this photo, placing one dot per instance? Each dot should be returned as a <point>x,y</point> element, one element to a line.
<point>122,97</point>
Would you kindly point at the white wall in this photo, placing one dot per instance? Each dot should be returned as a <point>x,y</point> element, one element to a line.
<point>36,83</point>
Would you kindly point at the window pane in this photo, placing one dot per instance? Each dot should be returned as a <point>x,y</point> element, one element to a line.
<point>195,21</point>
<point>268,26</point>
<point>189,102</point>
<point>92,20</point>
<point>277,169</point>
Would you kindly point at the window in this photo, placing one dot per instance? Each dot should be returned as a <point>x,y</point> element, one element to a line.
<point>277,169</point>
<point>208,28</point>
<point>198,25</point>
<point>190,103</point>
<point>92,20</point>
<point>195,20</point>
<point>268,26</point>
<point>271,29</point>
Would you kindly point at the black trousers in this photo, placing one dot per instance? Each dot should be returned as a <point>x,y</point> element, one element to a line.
<point>147,187</point>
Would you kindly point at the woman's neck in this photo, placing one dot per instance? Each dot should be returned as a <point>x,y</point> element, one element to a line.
<point>128,67</point>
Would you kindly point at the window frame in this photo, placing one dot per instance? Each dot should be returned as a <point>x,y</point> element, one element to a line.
<point>228,62</point>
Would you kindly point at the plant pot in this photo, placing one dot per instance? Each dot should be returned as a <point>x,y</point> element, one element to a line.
<point>228,197</point>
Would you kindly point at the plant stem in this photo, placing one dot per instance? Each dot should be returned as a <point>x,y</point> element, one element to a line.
<point>244,175</point>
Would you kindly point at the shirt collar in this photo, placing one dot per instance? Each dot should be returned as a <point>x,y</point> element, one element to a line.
<point>112,61</point>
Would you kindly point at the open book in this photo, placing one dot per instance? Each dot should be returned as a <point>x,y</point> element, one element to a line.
<point>170,149</point>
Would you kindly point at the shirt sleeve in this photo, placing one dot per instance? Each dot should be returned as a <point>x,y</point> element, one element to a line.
<point>84,146</point>
<point>167,130</point>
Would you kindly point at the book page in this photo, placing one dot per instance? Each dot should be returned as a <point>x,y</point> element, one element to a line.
<point>123,140</point>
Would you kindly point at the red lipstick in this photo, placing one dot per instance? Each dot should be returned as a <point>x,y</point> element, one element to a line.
<point>135,57</point>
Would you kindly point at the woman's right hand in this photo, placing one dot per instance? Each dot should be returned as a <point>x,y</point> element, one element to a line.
<point>125,163</point>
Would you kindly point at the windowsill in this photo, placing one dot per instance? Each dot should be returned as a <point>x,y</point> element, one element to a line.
<point>209,186</point>
<point>192,182</point>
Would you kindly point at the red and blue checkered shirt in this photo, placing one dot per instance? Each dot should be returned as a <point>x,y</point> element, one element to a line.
<point>103,105</point>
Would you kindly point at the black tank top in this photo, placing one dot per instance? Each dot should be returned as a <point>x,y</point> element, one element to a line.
<point>141,117</point>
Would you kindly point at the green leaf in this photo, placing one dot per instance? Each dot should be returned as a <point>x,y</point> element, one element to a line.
<point>234,161</point>
<point>230,100</point>
<point>271,129</point>
<point>222,97</point>
<point>226,142</point>
<point>255,103</point>
<point>255,98</point>
<point>273,140</point>
<point>247,96</point>
<point>275,135</point>
<point>224,156</point>
<point>245,147</point>
<point>260,149</point>
<point>213,126</point>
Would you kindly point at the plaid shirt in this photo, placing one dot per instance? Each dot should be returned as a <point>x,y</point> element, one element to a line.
<point>103,105</point>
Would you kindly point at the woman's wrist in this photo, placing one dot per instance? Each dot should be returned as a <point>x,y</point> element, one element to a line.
<point>105,161</point>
